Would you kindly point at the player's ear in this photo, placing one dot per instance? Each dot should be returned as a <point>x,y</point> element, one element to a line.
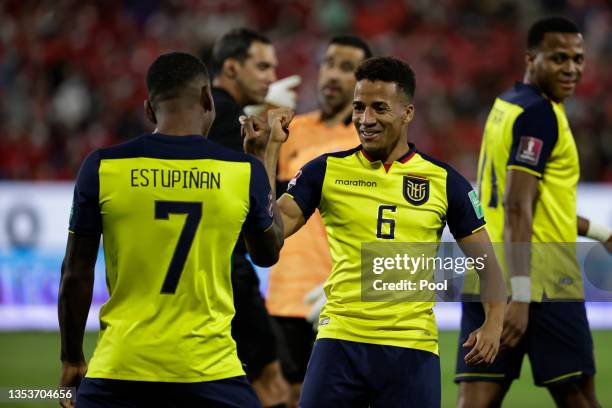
<point>530,57</point>
<point>409,113</point>
<point>230,68</point>
<point>206,99</point>
<point>149,112</point>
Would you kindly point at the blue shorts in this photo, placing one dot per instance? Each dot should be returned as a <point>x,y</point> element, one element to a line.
<point>557,340</point>
<point>106,393</point>
<point>348,374</point>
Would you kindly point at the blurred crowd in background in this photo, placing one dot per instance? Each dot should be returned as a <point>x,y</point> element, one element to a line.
<point>72,72</point>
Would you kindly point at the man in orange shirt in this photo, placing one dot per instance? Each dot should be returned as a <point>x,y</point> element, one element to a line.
<point>304,261</point>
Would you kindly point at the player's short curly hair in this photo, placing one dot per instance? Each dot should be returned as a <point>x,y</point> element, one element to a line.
<point>170,73</point>
<point>549,25</point>
<point>234,44</point>
<point>388,69</point>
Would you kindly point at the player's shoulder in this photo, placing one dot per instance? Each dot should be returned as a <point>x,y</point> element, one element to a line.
<point>159,146</point>
<point>341,154</point>
<point>319,164</point>
<point>223,153</point>
<point>528,97</point>
<point>452,174</point>
<point>130,148</point>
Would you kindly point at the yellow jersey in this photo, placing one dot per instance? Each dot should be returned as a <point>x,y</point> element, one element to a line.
<point>170,209</point>
<point>528,132</point>
<point>363,201</point>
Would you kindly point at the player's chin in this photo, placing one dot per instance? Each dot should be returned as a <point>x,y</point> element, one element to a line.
<point>373,150</point>
<point>370,146</point>
<point>564,91</point>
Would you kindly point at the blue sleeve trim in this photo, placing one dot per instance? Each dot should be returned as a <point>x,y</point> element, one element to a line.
<point>534,135</point>
<point>307,184</point>
<point>464,214</point>
<point>85,216</point>
<point>260,215</point>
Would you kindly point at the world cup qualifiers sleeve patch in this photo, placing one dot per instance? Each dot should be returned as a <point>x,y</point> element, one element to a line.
<point>476,204</point>
<point>529,150</point>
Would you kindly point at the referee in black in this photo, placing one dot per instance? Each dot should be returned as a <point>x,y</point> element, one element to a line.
<point>244,65</point>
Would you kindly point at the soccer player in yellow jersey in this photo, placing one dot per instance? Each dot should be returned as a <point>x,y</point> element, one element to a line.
<point>527,176</point>
<point>305,262</point>
<point>384,353</point>
<point>170,206</point>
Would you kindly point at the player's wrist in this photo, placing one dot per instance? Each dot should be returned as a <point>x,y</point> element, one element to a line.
<point>494,324</point>
<point>67,362</point>
<point>599,232</point>
<point>521,289</point>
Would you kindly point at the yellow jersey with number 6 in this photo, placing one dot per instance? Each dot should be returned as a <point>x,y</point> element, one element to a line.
<point>364,201</point>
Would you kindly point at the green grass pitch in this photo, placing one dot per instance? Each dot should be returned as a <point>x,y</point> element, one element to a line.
<point>31,359</point>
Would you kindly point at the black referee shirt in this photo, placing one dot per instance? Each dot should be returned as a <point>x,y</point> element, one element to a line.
<point>225,129</point>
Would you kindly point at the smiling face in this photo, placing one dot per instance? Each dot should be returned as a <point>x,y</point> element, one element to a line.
<point>556,65</point>
<point>381,111</point>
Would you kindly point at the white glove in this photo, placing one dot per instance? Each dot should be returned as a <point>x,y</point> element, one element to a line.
<point>282,93</point>
<point>316,297</point>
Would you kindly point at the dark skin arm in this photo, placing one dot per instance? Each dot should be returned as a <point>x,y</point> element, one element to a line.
<point>265,247</point>
<point>260,137</point>
<point>485,341</point>
<point>519,202</point>
<point>582,225</point>
<point>75,293</point>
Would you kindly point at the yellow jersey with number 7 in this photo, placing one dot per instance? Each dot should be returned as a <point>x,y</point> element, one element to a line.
<point>170,209</point>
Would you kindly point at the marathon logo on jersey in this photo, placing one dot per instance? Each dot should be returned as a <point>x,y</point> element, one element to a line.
<point>293,181</point>
<point>416,190</point>
<point>356,183</point>
<point>529,150</point>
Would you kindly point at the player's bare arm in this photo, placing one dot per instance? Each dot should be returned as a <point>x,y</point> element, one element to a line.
<point>519,201</point>
<point>485,341</point>
<point>263,140</point>
<point>75,293</point>
<point>293,218</point>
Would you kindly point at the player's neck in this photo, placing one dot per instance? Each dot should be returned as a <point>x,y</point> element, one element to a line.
<point>400,150</point>
<point>231,88</point>
<point>178,125</point>
<point>528,80</point>
<point>331,119</point>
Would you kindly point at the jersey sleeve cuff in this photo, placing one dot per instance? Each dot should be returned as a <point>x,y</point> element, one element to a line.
<point>464,234</point>
<point>303,206</point>
<point>525,169</point>
<point>89,233</point>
